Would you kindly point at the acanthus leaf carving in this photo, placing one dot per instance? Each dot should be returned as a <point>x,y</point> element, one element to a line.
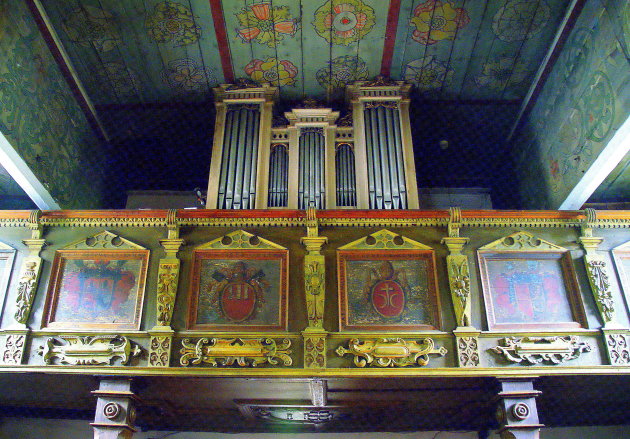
<point>535,350</point>
<point>79,350</point>
<point>600,284</point>
<point>26,289</point>
<point>239,351</point>
<point>391,352</point>
<point>168,275</point>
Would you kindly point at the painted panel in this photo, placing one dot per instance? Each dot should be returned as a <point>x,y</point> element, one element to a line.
<point>583,102</point>
<point>40,117</point>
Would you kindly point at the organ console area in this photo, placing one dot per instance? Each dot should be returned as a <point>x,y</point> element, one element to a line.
<point>313,156</point>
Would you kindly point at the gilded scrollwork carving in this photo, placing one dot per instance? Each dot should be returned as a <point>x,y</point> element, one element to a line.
<point>535,350</point>
<point>239,351</point>
<point>89,350</point>
<point>160,351</point>
<point>598,279</point>
<point>468,351</point>
<point>391,352</point>
<point>314,351</point>
<point>618,348</point>
<point>13,348</point>
<point>314,271</point>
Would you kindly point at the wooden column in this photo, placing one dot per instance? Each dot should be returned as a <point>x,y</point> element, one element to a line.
<point>115,409</point>
<point>516,412</point>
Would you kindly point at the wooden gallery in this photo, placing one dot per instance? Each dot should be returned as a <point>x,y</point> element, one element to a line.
<point>315,292</point>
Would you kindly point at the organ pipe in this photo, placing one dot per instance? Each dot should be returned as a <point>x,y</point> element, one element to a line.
<point>311,185</point>
<point>278,176</point>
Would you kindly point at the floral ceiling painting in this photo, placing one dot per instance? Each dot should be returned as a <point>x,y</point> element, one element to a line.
<point>158,51</point>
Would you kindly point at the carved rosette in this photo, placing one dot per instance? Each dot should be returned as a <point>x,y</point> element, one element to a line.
<point>468,351</point>
<point>89,350</point>
<point>315,351</point>
<point>618,347</point>
<point>600,284</point>
<point>168,275</point>
<point>391,352</point>
<point>535,350</point>
<point>242,352</point>
<point>160,351</point>
<point>13,349</point>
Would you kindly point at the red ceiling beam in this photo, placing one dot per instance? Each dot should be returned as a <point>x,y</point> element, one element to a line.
<point>222,40</point>
<point>390,37</point>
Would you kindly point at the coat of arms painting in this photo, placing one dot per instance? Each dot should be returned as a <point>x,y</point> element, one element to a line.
<point>388,290</point>
<point>244,290</point>
<point>97,289</point>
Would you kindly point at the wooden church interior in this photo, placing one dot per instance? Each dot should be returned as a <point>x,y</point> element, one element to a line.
<point>338,217</point>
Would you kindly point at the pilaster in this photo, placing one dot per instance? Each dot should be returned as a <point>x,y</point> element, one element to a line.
<point>115,409</point>
<point>516,412</point>
<point>168,280</point>
<point>315,291</point>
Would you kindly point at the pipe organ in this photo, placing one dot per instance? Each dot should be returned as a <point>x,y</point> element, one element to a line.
<point>363,160</point>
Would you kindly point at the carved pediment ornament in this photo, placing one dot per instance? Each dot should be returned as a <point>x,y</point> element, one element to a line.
<point>535,350</point>
<point>384,239</point>
<point>522,242</point>
<point>239,351</point>
<point>242,83</point>
<point>240,240</point>
<point>391,352</point>
<point>104,241</point>
<point>89,350</point>
<point>380,81</point>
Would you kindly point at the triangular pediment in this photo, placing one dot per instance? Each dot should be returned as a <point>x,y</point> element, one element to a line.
<point>623,247</point>
<point>104,241</point>
<point>522,242</point>
<point>385,240</point>
<point>5,247</point>
<point>241,240</point>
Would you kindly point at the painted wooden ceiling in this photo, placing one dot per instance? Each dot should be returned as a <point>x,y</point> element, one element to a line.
<point>154,51</point>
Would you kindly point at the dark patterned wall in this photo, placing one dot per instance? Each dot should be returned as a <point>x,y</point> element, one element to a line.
<point>39,116</point>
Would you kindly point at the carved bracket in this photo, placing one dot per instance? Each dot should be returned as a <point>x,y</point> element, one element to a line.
<point>89,350</point>
<point>228,351</point>
<point>391,352</point>
<point>535,350</point>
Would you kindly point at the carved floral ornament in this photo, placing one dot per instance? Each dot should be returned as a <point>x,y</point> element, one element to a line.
<point>391,352</point>
<point>89,350</point>
<point>535,350</point>
<point>384,239</point>
<point>239,351</point>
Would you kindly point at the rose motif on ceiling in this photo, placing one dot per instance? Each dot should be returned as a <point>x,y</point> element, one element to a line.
<point>436,20</point>
<point>91,27</point>
<point>272,72</point>
<point>520,19</point>
<point>264,24</point>
<point>502,73</point>
<point>117,79</point>
<point>344,22</point>
<point>172,22</point>
<point>341,71</point>
<point>187,74</point>
<point>428,74</point>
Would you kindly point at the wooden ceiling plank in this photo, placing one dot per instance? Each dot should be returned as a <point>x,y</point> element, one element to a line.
<point>403,35</point>
<point>449,62</point>
<point>485,38</point>
<point>208,46</point>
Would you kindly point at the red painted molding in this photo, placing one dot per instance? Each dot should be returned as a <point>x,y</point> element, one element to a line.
<point>390,37</point>
<point>222,40</point>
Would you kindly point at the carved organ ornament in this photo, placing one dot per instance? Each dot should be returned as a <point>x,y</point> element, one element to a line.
<point>312,158</point>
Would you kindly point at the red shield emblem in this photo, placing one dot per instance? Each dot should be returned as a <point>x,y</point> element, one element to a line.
<point>388,298</point>
<point>238,301</point>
